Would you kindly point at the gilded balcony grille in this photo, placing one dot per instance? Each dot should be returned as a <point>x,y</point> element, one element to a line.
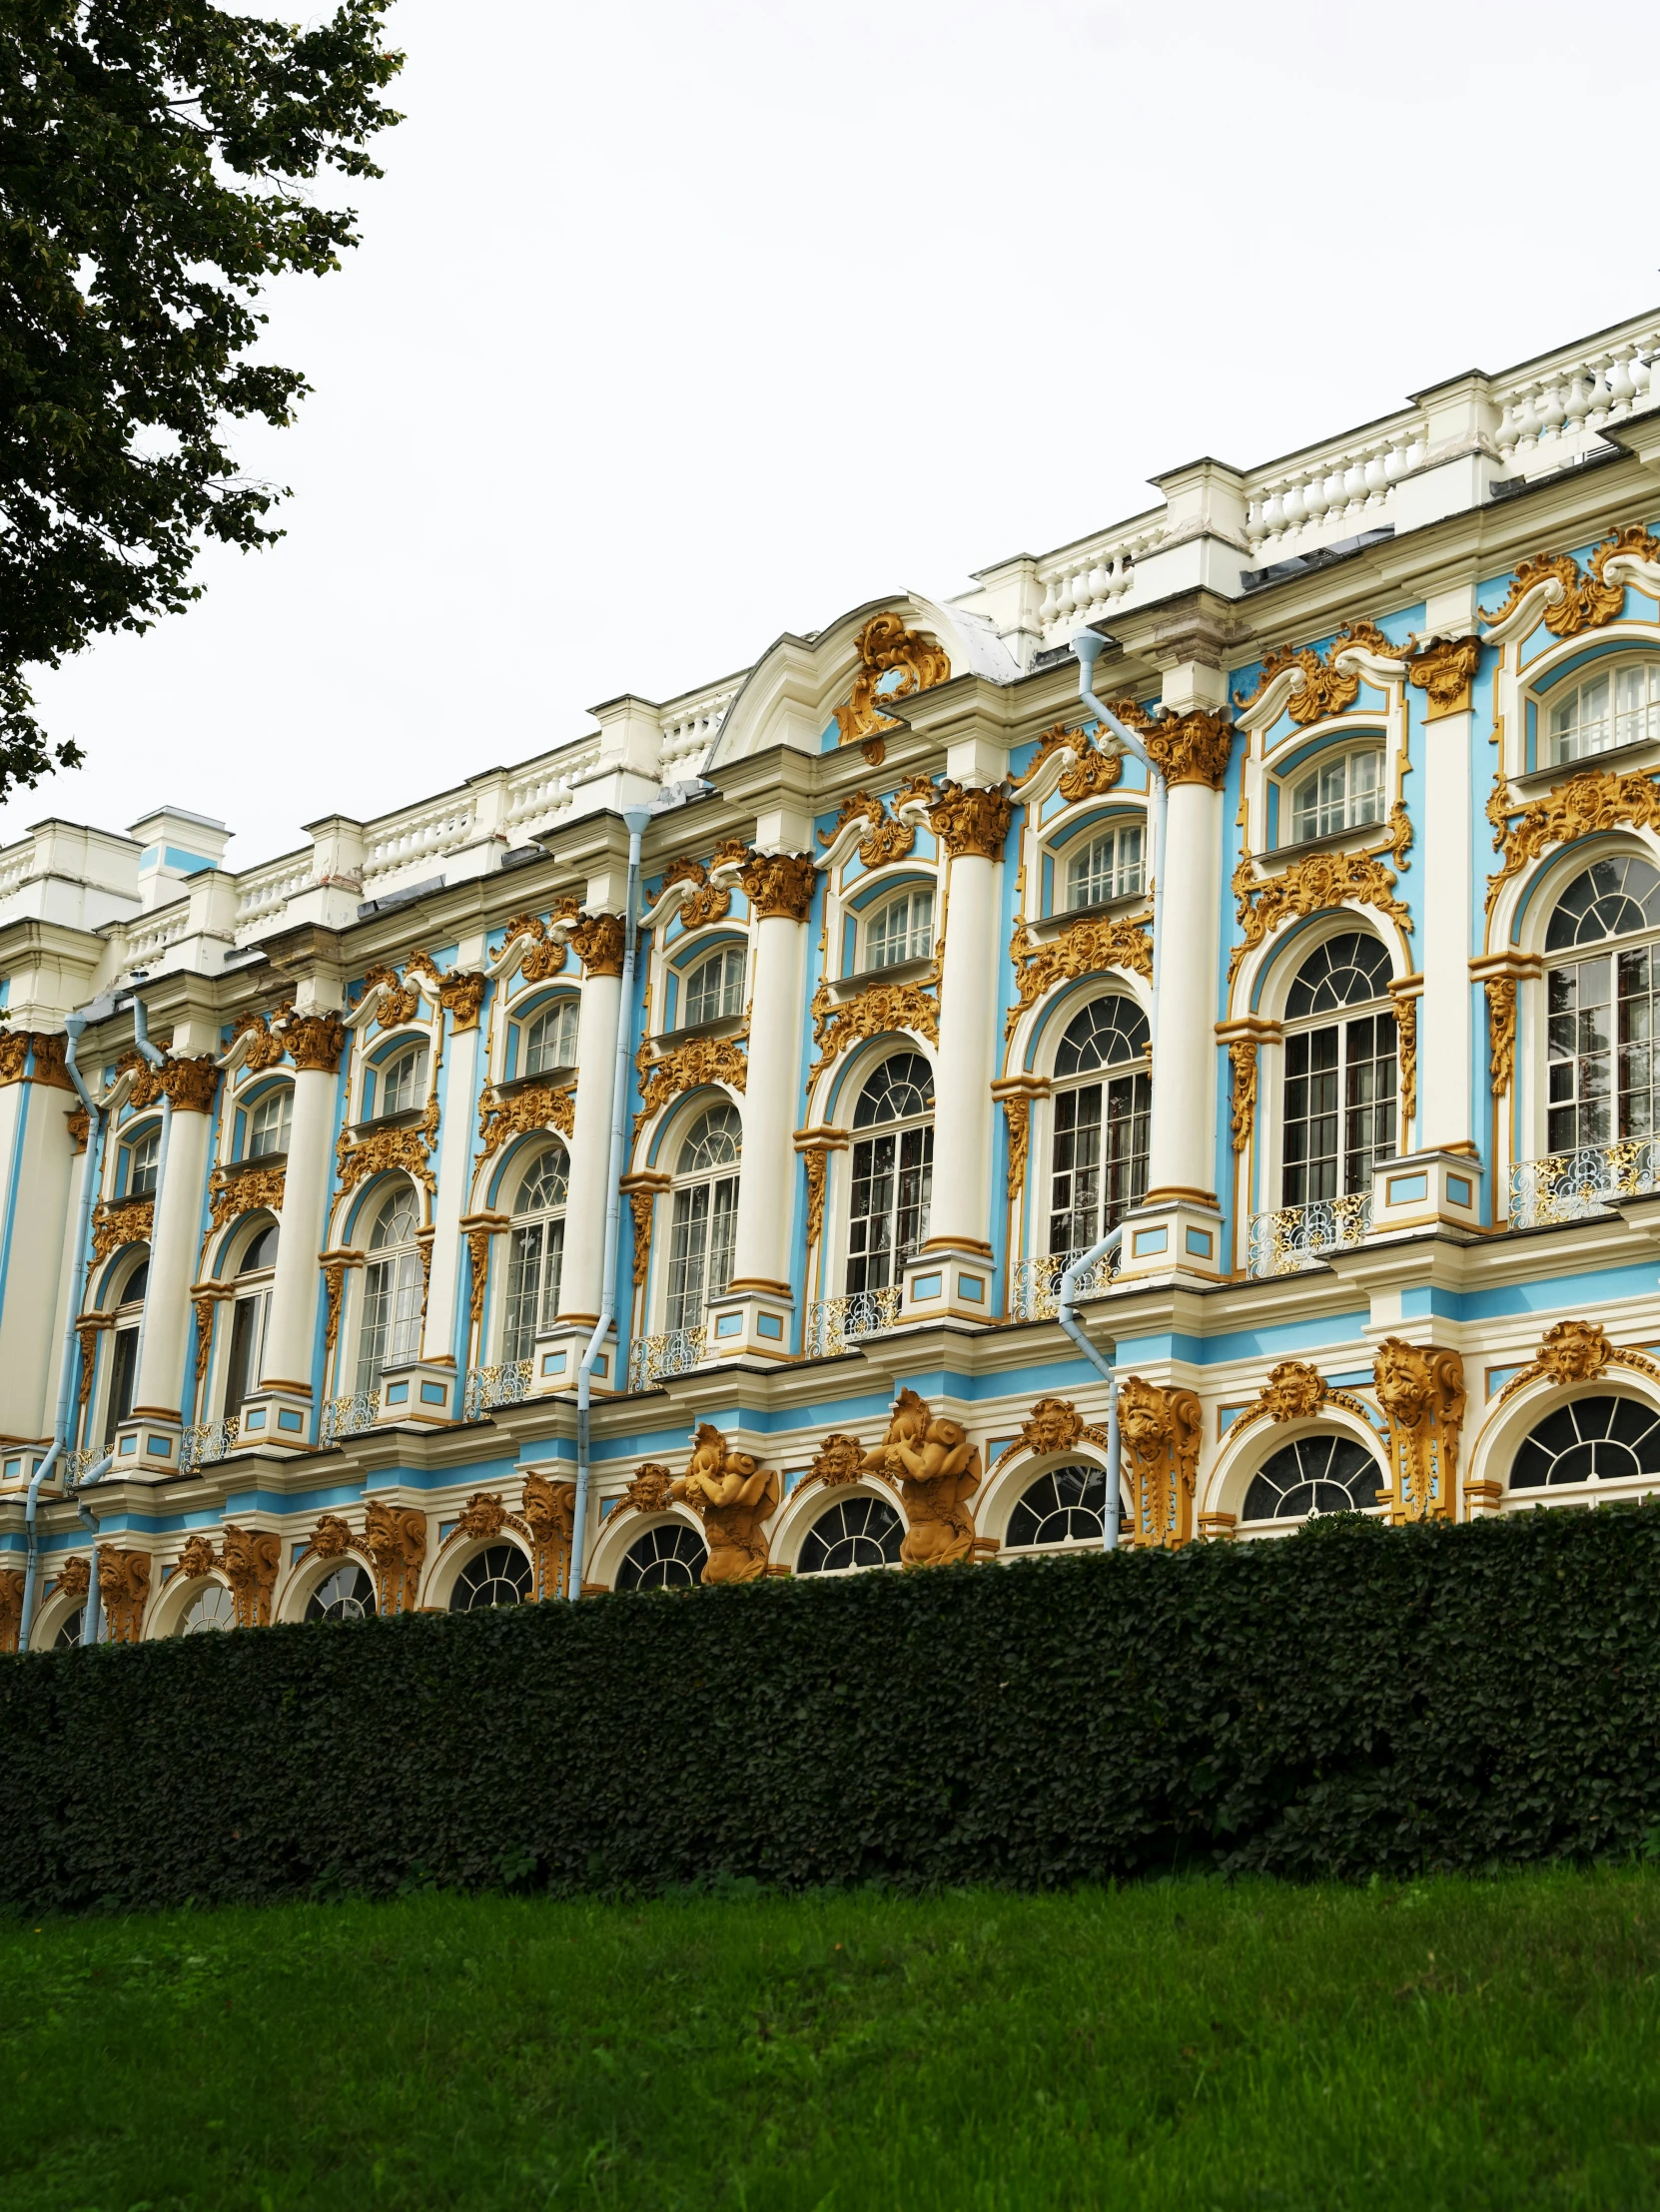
<point>205,1443</point>
<point>349,1415</point>
<point>838,1325</point>
<point>1291,1237</point>
<point>674,1352</point>
<point>1569,1186</point>
<point>489,1387</point>
<point>1036,1286</point>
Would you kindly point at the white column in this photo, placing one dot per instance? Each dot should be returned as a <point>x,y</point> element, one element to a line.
<point>598,942</point>
<point>952,1272</point>
<point>780,890</point>
<point>1181,1150</point>
<point>1447,1042</point>
<point>314,1043</point>
<point>460,1114</point>
<point>177,1239</point>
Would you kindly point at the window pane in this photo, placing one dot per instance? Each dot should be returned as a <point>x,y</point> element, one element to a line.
<point>525,1259</point>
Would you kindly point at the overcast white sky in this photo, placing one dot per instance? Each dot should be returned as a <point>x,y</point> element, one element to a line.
<point>676,324</point>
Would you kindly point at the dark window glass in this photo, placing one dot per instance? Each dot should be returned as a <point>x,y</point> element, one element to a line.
<point>1066,1506</point>
<point>122,1373</point>
<point>856,1532</point>
<point>1345,971</point>
<point>1316,1474</point>
<point>1611,899</point>
<point>1590,1440</point>
<point>1339,1107</point>
<point>500,1575</point>
<point>347,1595</point>
<point>668,1557</point>
<point>243,1370</point>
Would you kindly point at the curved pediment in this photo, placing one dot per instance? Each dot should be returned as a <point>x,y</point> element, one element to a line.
<point>895,646</point>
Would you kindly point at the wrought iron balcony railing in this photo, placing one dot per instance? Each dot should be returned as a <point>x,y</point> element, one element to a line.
<point>1037,1282</point>
<point>349,1415</point>
<point>1568,1187</point>
<point>488,1387</point>
<point>1291,1237</point>
<point>837,1325</point>
<point>674,1352</point>
<point>205,1443</point>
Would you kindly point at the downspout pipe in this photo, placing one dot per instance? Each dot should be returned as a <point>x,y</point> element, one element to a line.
<point>1066,1312</point>
<point>91,1621</point>
<point>75,1024</point>
<point>1088,648</point>
<point>634,820</point>
<point>140,1037</point>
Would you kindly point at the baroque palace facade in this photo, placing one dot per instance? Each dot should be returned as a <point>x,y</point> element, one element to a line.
<point>293,1294</point>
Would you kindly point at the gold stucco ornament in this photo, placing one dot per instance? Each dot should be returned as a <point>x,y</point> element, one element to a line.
<point>734,1497</point>
<point>938,1471</point>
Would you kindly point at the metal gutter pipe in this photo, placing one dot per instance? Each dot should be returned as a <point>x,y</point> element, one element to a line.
<point>73,1024</point>
<point>91,1621</point>
<point>1066,1312</point>
<point>1088,648</point>
<point>634,820</point>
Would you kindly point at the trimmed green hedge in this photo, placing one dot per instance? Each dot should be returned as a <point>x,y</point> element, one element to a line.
<point>1351,1700</point>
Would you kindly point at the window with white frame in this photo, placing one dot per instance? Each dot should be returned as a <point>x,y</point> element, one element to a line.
<point>704,1220</point>
<point>1601,1439</point>
<point>856,1530</point>
<point>551,1038</point>
<point>668,1557</point>
<point>248,1314</point>
<point>144,1164</point>
<point>399,1082</point>
<point>1323,1473</point>
<point>345,1595</point>
<point>1603,1080</point>
<point>1066,1506</point>
<point>1340,1102</point>
<point>497,1576</point>
<point>390,1329</point>
<point>902,930</point>
<point>1612,706</point>
<point>893,1172</point>
<point>270,1122</point>
<point>714,990</point>
<point>1340,794</point>
<point>535,1252</point>
<point>1108,867</point>
<point>213,1608</point>
<point>1102,1100</point>
<point>123,1371</point>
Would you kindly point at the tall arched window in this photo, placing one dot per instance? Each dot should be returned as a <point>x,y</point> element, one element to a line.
<point>1102,1101</point>
<point>705,1218</point>
<point>551,1038</point>
<point>248,1317</point>
<point>391,1326</point>
<point>1340,794</point>
<point>1108,867</point>
<point>270,1122</point>
<point>1340,1074</point>
<point>714,989</point>
<point>122,1373</point>
<point>893,1172</point>
<point>535,1252</point>
<point>142,1162</point>
<point>1603,1082</point>
<point>899,931</point>
<point>397,1084</point>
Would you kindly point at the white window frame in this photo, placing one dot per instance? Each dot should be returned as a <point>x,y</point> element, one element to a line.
<point>565,1013</point>
<point>1334,814</point>
<point>1117,875</point>
<point>721,1180</point>
<point>546,1224</point>
<point>280,1097</point>
<point>392,1281</point>
<point>728,996</point>
<point>1618,726</point>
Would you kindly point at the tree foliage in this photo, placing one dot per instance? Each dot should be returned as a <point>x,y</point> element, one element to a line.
<point>1355,1701</point>
<point>153,158</point>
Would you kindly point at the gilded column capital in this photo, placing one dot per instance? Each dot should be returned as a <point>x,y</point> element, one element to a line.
<point>189,1084</point>
<point>1445,669</point>
<point>598,940</point>
<point>1193,748</point>
<point>970,823</point>
<point>778,885</point>
<point>314,1041</point>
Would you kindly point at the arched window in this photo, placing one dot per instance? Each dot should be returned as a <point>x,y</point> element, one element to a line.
<point>705,1216</point>
<point>901,929</point>
<point>499,1575</point>
<point>270,1122</point>
<point>860,1531</point>
<point>1340,794</point>
<point>1610,707</point>
<point>1590,1440</point>
<point>347,1595</point>
<point>550,1039</point>
<point>144,1164</point>
<point>535,1252</point>
<point>1108,867</point>
<point>668,1557</point>
<point>1066,1506</point>
<point>247,1318</point>
<point>1316,1474</point>
<point>1340,1076</point>
<point>124,1349</point>
<point>714,989</point>
<point>391,1327</point>
<point>1101,1101</point>
<point>1603,1081</point>
<point>212,1608</point>
<point>68,1637</point>
<point>398,1084</point>
<point>893,1172</point>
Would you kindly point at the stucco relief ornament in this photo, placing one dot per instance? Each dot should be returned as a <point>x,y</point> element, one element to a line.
<point>1406,1025</point>
<point>971,823</point>
<point>1056,1425</point>
<point>482,1515</point>
<point>198,1558</point>
<point>874,1012</point>
<point>1312,886</point>
<point>1577,1352</point>
<point>838,1459</point>
<point>1421,1392</point>
<point>314,1041</point>
<point>779,885</point>
<point>461,993</point>
<point>734,1497</point>
<point>650,1491</point>
<point>1445,669</point>
<point>395,1537</point>
<point>1094,768</point>
<point>599,944</point>
<point>1017,1116</point>
<point>1160,1430</point>
<point>815,1161</point>
<point>1310,686</point>
<point>701,1059</point>
<point>706,902</point>
<point>544,955</point>
<point>398,1000</point>
<point>938,1472</point>
<point>76,1579</point>
<point>123,1587</point>
<point>1501,1033</point>
<point>1082,948</point>
<point>1192,748</point>
<point>122,1221</point>
<point>1596,800</point>
<point>12,1585</point>
<point>265,1047</point>
<point>229,1196</point>
<point>1241,1052</point>
<point>539,1105</point>
<point>887,837</point>
<point>1552,586</point>
<point>87,1332</point>
<point>332,1537</point>
<point>885,646</point>
<point>250,1558</point>
<point>548,1511</point>
<point>409,1150</point>
<point>189,1084</point>
<point>1294,1391</point>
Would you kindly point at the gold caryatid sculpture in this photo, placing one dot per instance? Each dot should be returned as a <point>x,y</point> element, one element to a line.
<point>734,1497</point>
<point>938,1471</point>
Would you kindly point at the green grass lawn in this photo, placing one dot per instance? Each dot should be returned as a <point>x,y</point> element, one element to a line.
<point>1184,2045</point>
